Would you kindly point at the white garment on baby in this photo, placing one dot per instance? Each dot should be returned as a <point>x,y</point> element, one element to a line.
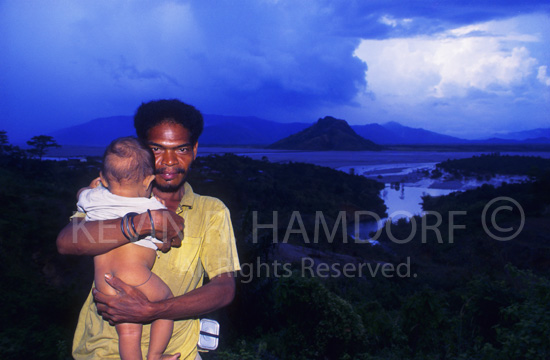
<point>100,204</point>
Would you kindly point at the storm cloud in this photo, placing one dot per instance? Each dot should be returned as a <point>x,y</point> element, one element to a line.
<point>67,62</point>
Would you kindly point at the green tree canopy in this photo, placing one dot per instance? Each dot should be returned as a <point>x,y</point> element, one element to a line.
<point>40,144</point>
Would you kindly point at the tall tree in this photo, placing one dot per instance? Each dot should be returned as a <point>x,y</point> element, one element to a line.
<point>40,144</point>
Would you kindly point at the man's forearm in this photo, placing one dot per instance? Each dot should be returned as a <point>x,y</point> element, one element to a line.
<point>218,293</point>
<point>81,237</point>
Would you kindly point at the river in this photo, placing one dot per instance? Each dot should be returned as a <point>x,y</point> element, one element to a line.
<point>409,169</point>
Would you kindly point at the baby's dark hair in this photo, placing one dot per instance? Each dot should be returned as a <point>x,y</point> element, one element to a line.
<point>127,159</point>
<point>157,112</point>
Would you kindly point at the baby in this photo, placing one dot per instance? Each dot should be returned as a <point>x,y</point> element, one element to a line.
<point>126,185</point>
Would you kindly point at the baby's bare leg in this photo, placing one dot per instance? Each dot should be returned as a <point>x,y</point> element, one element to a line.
<point>128,264</point>
<point>161,330</point>
<point>129,341</point>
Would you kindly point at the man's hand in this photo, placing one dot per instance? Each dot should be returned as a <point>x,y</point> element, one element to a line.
<point>95,183</point>
<point>131,305</point>
<point>128,306</point>
<point>168,227</point>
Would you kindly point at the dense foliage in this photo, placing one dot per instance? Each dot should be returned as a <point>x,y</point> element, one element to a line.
<point>40,289</point>
<point>266,190</point>
<point>472,298</point>
<point>465,295</point>
<point>495,163</point>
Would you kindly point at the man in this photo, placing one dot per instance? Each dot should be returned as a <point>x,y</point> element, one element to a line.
<point>171,129</point>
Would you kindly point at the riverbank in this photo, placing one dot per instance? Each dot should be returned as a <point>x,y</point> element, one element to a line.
<point>420,175</point>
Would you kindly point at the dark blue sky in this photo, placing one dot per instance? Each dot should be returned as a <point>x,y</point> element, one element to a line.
<point>462,68</point>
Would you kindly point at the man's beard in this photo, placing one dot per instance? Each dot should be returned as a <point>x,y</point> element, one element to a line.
<point>171,187</point>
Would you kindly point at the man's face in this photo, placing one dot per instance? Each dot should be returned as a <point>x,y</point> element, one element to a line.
<point>174,154</point>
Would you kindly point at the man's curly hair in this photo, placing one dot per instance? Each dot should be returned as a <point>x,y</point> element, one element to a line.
<point>156,112</point>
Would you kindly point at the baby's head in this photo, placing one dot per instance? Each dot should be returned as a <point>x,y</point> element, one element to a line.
<point>128,168</point>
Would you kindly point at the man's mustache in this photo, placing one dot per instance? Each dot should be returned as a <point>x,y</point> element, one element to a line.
<point>169,171</point>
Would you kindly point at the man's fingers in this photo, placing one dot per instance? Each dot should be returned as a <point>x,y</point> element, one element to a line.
<point>117,284</point>
<point>102,308</point>
<point>95,182</point>
<point>176,241</point>
<point>167,221</point>
<point>98,297</point>
<point>168,224</point>
<point>164,247</point>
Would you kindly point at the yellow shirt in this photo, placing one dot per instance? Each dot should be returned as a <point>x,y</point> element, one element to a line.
<point>208,247</point>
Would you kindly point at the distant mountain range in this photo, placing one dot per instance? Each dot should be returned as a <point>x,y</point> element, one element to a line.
<point>393,133</point>
<point>327,133</point>
<point>218,130</point>
<point>233,130</point>
<point>98,132</point>
<point>253,131</point>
